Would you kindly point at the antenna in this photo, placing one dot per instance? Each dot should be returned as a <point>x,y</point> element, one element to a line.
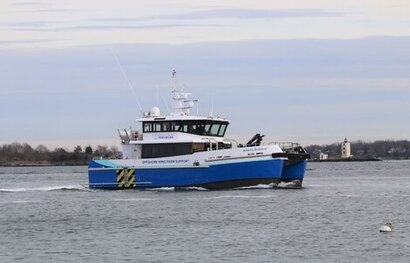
<point>126,79</point>
<point>174,80</point>
<point>197,107</point>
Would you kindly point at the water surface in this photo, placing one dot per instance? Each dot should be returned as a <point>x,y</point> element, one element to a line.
<point>49,215</point>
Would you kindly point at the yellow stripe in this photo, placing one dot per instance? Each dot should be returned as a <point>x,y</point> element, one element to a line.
<point>131,181</point>
<point>120,178</point>
<point>130,178</point>
<point>120,172</point>
<point>120,184</point>
<point>125,178</point>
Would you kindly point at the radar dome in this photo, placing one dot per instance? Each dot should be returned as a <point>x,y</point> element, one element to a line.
<point>155,112</point>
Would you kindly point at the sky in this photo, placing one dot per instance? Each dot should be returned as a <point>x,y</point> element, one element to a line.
<point>315,72</point>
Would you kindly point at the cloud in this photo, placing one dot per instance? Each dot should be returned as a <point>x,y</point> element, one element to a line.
<point>363,57</point>
<point>28,41</point>
<point>55,10</point>
<point>234,13</point>
<point>328,86</point>
<point>111,27</point>
<point>242,13</point>
<point>135,23</point>
<point>32,3</point>
<point>40,7</point>
<point>34,24</point>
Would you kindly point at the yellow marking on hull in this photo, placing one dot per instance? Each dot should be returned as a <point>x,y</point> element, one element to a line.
<point>125,178</point>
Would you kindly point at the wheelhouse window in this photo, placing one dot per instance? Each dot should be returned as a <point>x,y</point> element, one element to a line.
<point>157,127</point>
<point>203,127</point>
<point>222,130</point>
<point>166,126</point>
<point>147,127</point>
<point>214,129</point>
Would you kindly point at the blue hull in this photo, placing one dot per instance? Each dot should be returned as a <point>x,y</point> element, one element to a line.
<point>106,175</point>
<point>294,171</point>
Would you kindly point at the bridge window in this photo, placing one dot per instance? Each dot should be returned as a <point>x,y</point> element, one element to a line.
<point>222,130</point>
<point>157,127</point>
<point>166,126</point>
<point>204,127</point>
<point>214,129</point>
<point>147,127</point>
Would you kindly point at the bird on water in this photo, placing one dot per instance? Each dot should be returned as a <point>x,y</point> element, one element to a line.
<point>388,227</point>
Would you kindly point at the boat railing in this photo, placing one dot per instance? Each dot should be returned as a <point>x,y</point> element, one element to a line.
<point>210,140</point>
<point>232,141</point>
<point>287,146</point>
<point>129,135</point>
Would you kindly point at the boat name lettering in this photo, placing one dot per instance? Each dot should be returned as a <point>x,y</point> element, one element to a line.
<point>255,149</point>
<point>164,161</point>
<point>162,137</point>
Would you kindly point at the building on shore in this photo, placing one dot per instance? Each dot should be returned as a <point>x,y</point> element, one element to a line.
<point>323,156</point>
<point>346,153</point>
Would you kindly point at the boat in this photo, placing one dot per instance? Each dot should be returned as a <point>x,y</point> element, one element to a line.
<point>295,164</point>
<point>182,150</point>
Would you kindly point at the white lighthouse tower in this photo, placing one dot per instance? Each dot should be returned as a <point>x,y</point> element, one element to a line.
<point>346,149</point>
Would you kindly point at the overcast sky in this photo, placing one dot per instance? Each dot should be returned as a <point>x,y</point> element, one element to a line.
<point>308,71</point>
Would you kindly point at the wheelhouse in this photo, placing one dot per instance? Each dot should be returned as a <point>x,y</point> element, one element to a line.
<point>202,127</point>
<point>197,127</point>
<point>200,133</point>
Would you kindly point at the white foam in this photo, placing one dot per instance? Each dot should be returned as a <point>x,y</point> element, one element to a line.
<point>133,199</point>
<point>191,188</point>
<point>165,189</point>
<point>45,188</point>
<point>292,184</point>
<point>259,186</point>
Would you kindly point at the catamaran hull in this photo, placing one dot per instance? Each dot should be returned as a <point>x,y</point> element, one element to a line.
<point>217,175</point>
<point>294,171</point>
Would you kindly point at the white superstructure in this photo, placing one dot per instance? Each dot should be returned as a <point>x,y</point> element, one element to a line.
<point>181,134</point>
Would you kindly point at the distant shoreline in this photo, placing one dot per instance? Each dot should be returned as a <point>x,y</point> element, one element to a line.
<point>40,164</point>
<point>347,160</point>
<point>31,164</point>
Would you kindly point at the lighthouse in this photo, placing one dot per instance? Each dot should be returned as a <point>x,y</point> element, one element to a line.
<point>346,149</point>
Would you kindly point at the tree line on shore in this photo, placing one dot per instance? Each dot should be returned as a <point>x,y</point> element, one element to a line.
<point>383,149</point>
<point>24,154</point>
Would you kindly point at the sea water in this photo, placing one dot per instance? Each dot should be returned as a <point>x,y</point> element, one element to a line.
<point>47,214</point>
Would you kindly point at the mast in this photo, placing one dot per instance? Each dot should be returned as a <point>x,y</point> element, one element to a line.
<point>181,105</point>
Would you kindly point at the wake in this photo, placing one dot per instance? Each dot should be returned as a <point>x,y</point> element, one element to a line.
<point>73,188</point>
